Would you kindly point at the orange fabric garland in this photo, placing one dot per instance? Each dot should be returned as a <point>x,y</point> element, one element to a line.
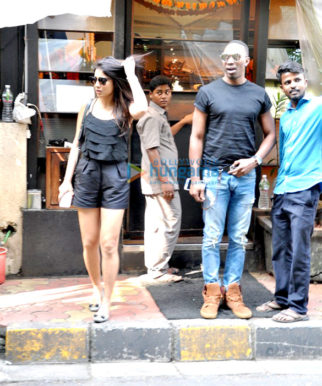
<point>182,8</point>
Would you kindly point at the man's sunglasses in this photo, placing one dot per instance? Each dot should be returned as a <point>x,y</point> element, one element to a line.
<point>101,80</point>
<point>235,57</point>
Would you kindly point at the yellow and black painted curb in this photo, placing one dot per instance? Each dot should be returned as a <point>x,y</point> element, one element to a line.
<point>163,341</point>
<point>47,343</point>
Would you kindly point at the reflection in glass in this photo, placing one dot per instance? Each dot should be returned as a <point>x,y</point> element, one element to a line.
<point>184,47</point>
<point>64,55</point>
<point>277,56</point>
<point>72,51</point>
<point>66,59</point>
<point>220,24</point>
<point>282,20</point>
<point>190,64</point>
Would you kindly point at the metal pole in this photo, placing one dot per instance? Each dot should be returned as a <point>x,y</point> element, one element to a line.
<point>26,63</point>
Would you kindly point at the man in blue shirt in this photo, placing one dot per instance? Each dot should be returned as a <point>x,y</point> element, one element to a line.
<point>296,196</point>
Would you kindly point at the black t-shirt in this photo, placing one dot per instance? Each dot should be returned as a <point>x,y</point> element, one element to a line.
<point>232,115</point>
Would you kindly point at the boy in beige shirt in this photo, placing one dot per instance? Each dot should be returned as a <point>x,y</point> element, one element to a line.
<point>159,182</point>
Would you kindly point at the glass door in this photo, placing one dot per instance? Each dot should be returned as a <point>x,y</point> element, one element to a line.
<point>184,41</point>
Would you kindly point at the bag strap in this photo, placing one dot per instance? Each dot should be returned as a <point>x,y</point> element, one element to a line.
<point>86,111</point>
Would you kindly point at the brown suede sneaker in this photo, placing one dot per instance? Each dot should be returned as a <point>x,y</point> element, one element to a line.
<point>212,298</point>
<point>234,301</point>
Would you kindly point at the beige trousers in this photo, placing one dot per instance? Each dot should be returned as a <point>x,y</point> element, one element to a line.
<point>162,223</point>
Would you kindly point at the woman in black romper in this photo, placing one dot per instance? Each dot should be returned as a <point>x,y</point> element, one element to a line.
<point>101,189</point>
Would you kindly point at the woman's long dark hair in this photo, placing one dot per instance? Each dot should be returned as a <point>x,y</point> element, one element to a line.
<point>114,69</point>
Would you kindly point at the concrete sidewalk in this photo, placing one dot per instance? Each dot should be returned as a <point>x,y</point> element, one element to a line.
<point>47,320</point>
<point>136,373</point>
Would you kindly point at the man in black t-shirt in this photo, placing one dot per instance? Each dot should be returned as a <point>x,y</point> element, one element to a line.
<point>223,142</point>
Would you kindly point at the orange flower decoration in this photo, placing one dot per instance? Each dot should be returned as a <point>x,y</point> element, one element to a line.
<point>184,7</point>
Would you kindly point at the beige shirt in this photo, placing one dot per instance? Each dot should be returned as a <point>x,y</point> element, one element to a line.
<point>154,131</point>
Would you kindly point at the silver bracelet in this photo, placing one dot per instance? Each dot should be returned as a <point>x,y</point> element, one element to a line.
<point>199,182</point>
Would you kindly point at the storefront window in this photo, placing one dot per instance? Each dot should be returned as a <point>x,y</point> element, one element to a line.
<point>283,20</point>
<point>184,40</point>
<point>283,43</point>
<point>188,64</point>
<point>66,60</point>
<point>310,30</point>
<point>295,34</point>
<point>68,46</point>
<point>276,56</point>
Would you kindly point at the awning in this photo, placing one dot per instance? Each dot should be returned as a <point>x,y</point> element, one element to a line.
<point>21,12</point>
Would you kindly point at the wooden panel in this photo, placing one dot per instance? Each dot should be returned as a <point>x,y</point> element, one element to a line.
<point>56,161</point>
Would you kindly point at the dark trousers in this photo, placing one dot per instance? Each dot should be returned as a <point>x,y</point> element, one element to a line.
<point>293,221</point>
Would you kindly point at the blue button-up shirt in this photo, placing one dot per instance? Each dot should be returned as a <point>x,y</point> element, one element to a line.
<point>300,147</point>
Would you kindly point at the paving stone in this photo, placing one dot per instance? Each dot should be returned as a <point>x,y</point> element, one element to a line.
<point>47,319</point>
<point>44,343</point>
<point>131,341</point>
<point>203,340</point>
<point>300,340</point>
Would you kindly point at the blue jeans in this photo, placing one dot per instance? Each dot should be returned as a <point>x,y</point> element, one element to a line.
<point>232,197</point>
<point>293,220</point>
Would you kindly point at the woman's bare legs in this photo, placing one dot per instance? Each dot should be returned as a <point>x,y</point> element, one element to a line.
<point>90,223</point>
<point>111,222</point>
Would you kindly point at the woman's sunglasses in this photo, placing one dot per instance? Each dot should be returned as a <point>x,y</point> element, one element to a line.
<point>101,80</point>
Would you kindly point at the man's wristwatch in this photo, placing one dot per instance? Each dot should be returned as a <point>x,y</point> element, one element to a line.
<point>258,159</point>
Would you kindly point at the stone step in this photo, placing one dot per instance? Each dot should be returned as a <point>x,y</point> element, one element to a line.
<point>316,249</point>
<point>135,247</point>
<point>187,254</point>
